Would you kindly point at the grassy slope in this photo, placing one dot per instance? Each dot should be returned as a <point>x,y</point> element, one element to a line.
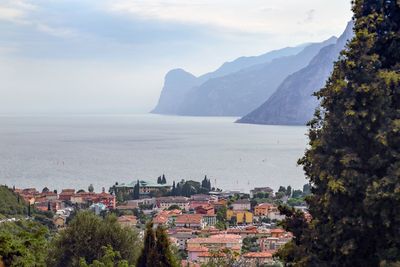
<point>9,204</point>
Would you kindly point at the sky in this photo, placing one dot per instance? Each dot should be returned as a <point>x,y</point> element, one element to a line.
<point>110,56</point>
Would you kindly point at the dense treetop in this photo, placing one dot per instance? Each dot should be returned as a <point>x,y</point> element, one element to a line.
<point>353,161</point>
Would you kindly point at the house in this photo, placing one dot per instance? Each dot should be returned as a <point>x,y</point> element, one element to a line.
<point>241,204</point>
<point>204,209</point>
<point>243,232</point>
<point>166,217</point>
<point>127,220</point>
<point>274,214</point>
<point>263,209</point>
<point>196,247</point>
<point>273,243</point>
<point>219,204</point>
<point>182,235</point>
<point>167,202</point>
<point>192,221</point>
<point>200,200</point>
<point>278,237</point>
<point>92,198</point>
<point>255,259</point>
<point>66,194</point>
<point>106,199</point>
<point>239,217</point>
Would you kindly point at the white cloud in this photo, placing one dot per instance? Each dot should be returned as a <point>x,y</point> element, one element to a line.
<point>252,16</point>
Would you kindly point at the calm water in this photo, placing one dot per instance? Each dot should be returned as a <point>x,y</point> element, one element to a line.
<point>74,151</point>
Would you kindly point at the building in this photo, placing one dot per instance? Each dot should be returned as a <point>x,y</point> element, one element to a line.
<point>146,188</point>
<point>93,198</point>
<point>241,204</point>
<point>205,209</point>
<point>255,259</point>
<point>210,220</point>
<point>200,200</point>
<point>167,202</point>
<point>219,204</point>
<point>243,231</point>
<point>263,209</point>
<point>127,220</point>
<point>192,221</point>
<point>66,194</point>
<point>166,217</point>
<point>278,237</point>
<point>240,217</point>
<point>274,214</point>
<point>196,247</point>
<point>182,235</point>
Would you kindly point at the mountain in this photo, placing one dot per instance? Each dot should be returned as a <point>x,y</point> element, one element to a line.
<point>178,82</point>
<point>293,103</point>
<point>240,92</point>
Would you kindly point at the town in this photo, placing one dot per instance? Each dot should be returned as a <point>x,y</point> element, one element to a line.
<point>200,220</point>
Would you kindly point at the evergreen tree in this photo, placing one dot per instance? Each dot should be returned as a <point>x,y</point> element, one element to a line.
<point>148,253</point>
<point>164,258</point>
<point>159,180</point>
<point>289,191</point>
<point>173,191</point>
<point>91,188</point>
<point>353,161</point>
<point>136,190</point>
<point>45,190</point>
<point>163,179</point>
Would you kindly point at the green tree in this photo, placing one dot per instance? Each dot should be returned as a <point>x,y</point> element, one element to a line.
<point>174,207</point>
<point>353,161</point>
<point>110,258</point>
<point>23,243</point>
<point>159,180</point>
<point>86,235</point>
<point>136,190</point>
<point>148,252</point>
<point>91,188</point>
<point>157,250</point>
<point>289,191</point>
<point>165,258</point>
<point>163,179</point>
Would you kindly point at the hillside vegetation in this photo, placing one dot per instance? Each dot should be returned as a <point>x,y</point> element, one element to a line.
<point>11,204</point>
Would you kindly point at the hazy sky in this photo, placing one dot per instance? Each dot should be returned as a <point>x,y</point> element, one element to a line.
<point>110,56</point>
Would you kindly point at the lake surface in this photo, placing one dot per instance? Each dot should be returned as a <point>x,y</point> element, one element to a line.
<point>75,151</point>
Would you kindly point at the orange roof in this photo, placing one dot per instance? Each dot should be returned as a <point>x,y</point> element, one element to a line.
<point>277,231</point>
<point>189,219</point>
<point>223,238</point>
<point>264,205</point>
<point>127,218</point>
<point>263,254</point>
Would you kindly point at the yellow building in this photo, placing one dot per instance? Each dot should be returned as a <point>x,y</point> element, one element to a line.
<point>242,217</point>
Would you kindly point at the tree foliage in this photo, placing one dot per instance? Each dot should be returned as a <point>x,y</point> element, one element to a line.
<point>85,237</point>
<point>157,250</point>
<point>353,161</point>
<point>23,243</point>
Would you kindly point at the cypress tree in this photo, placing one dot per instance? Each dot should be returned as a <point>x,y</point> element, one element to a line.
<point>159,180</point>
<point>353,161</point>
<point>173,191</point>
<point>163,180</point>
<point>165,258</point>
<point>148,253</point>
